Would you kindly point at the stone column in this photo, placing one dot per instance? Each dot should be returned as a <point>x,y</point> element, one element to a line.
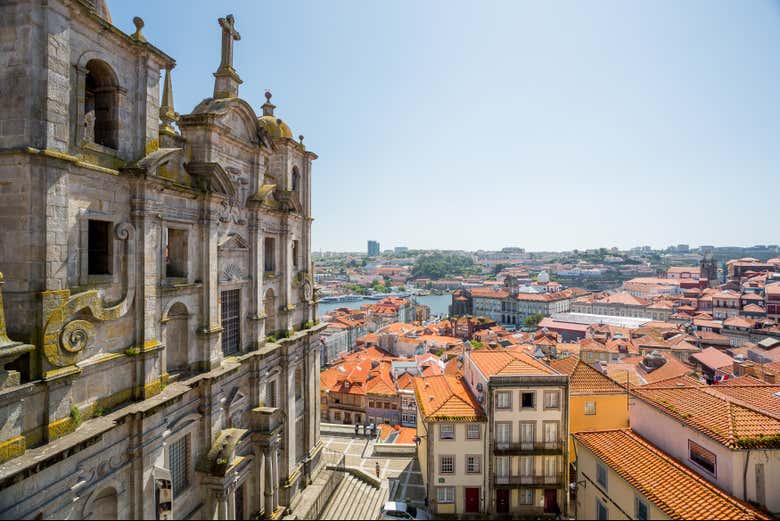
<point>231,501</point>
<point>275,460</point>
<point>222,505</point>
<point>268,491</point>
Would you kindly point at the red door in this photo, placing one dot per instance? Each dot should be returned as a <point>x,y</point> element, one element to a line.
<point>551,501</point>
<point>472,500</point>
<point>502,501</point>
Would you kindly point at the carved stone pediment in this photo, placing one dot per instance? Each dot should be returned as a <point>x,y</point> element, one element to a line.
<point>211,177</point>
<point>233,242</point>
<point>289,201</point>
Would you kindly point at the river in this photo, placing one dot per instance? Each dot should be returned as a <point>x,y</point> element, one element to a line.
<point>439,304</point>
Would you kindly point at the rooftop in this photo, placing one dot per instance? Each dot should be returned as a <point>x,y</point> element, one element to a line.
<point>446,397</point>
<point>509,363</point>
<point>583,379</point>
<point>673,488</point>
<point>709,411</point>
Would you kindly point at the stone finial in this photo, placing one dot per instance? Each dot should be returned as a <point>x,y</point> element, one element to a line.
<point>268,107</point>
<point>300,139</point>
<point>167,115</point>
<point>227,79</point>
<point>139,24</point>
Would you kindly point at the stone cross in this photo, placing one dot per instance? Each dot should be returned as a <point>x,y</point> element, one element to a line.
<point>229,34</point>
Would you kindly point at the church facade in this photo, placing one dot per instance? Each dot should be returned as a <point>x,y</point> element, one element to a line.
<point>159,344</point>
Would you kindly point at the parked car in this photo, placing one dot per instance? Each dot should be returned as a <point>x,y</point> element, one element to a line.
<point>395,510</point>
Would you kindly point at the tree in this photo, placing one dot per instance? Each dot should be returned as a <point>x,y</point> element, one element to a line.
<point>439,265</point>
<point>498,268</point>
<point>532,321</point>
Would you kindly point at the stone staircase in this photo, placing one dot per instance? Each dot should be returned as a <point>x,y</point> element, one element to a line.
<point>356,499</point>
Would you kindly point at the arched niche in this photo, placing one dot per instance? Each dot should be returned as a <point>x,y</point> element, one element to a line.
<point>177,338</point>
<point>269,309</point>
<point>101,104</point>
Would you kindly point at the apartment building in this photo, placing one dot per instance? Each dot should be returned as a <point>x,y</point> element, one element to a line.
<point>621,475</point>
<point>726,434</point>
<point>526,454</point>
<point>451,434</point>
<point>596,402</point>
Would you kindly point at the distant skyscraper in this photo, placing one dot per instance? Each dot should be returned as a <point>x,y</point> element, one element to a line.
<point>373,248</point>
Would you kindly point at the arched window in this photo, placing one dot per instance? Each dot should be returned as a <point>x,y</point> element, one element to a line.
<point>176,338</point>
<point>101,105</point>
<point>296,179</point>
<point>105,504</point>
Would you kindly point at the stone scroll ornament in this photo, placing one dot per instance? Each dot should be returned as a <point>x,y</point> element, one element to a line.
<point>65,338</point>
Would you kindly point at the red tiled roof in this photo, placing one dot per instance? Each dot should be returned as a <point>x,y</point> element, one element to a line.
<point>709,411</point>
<point>508,363</point>
<point>675,489</point>
<point>713,358</point>
<point>446,397</point>
<point>583,379</point>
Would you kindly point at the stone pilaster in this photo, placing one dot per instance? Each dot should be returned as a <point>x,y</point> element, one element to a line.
<point>285,281</point>
<point>147,304</point>
<point>210,304</point>
<point>256,273</point>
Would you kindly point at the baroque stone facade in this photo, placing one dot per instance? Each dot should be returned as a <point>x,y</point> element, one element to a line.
<point>151,262</point>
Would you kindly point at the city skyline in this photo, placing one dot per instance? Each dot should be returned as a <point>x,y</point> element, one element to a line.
<point>462,126</point>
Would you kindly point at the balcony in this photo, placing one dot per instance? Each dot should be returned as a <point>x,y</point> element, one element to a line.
<point>551,481</point>
<point>502,448</point>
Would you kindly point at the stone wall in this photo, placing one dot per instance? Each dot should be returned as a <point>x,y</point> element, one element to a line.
<point>130,357</point>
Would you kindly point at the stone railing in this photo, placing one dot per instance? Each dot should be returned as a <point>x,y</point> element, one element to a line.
<point>335,463</point>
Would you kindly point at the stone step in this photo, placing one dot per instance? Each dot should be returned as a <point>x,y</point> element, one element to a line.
<point>355,499</point>
<point>331,510</point>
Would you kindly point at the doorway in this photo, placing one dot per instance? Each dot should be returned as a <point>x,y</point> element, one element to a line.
<point>551,501</point>
<point>502,501</point>
<point>472,500</point>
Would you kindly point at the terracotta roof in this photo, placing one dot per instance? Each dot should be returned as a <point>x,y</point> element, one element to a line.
<point>508,363</point>
<point>753,308</point>
<point>676,381</point>
<point>446,397</point>
<point>556,324</point>
<point>713,358</point>
<point>739,322</point>
<point>623,298</point>
<point>752,393</point>
<point>583,379</point>
<point>673,488</point>
<point>709,411</point>
<point>405,381</point>
<point>399,434</point>
<point>741,380</point>
<point>673,367</point>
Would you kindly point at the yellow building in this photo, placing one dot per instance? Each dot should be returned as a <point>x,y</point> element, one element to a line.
<point>620,475</point>
<point>596,402</point>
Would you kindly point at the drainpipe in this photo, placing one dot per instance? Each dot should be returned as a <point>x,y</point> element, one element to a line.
<point>744,476</point>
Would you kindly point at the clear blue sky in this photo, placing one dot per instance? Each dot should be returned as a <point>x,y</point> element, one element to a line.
<point>546,125</point>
